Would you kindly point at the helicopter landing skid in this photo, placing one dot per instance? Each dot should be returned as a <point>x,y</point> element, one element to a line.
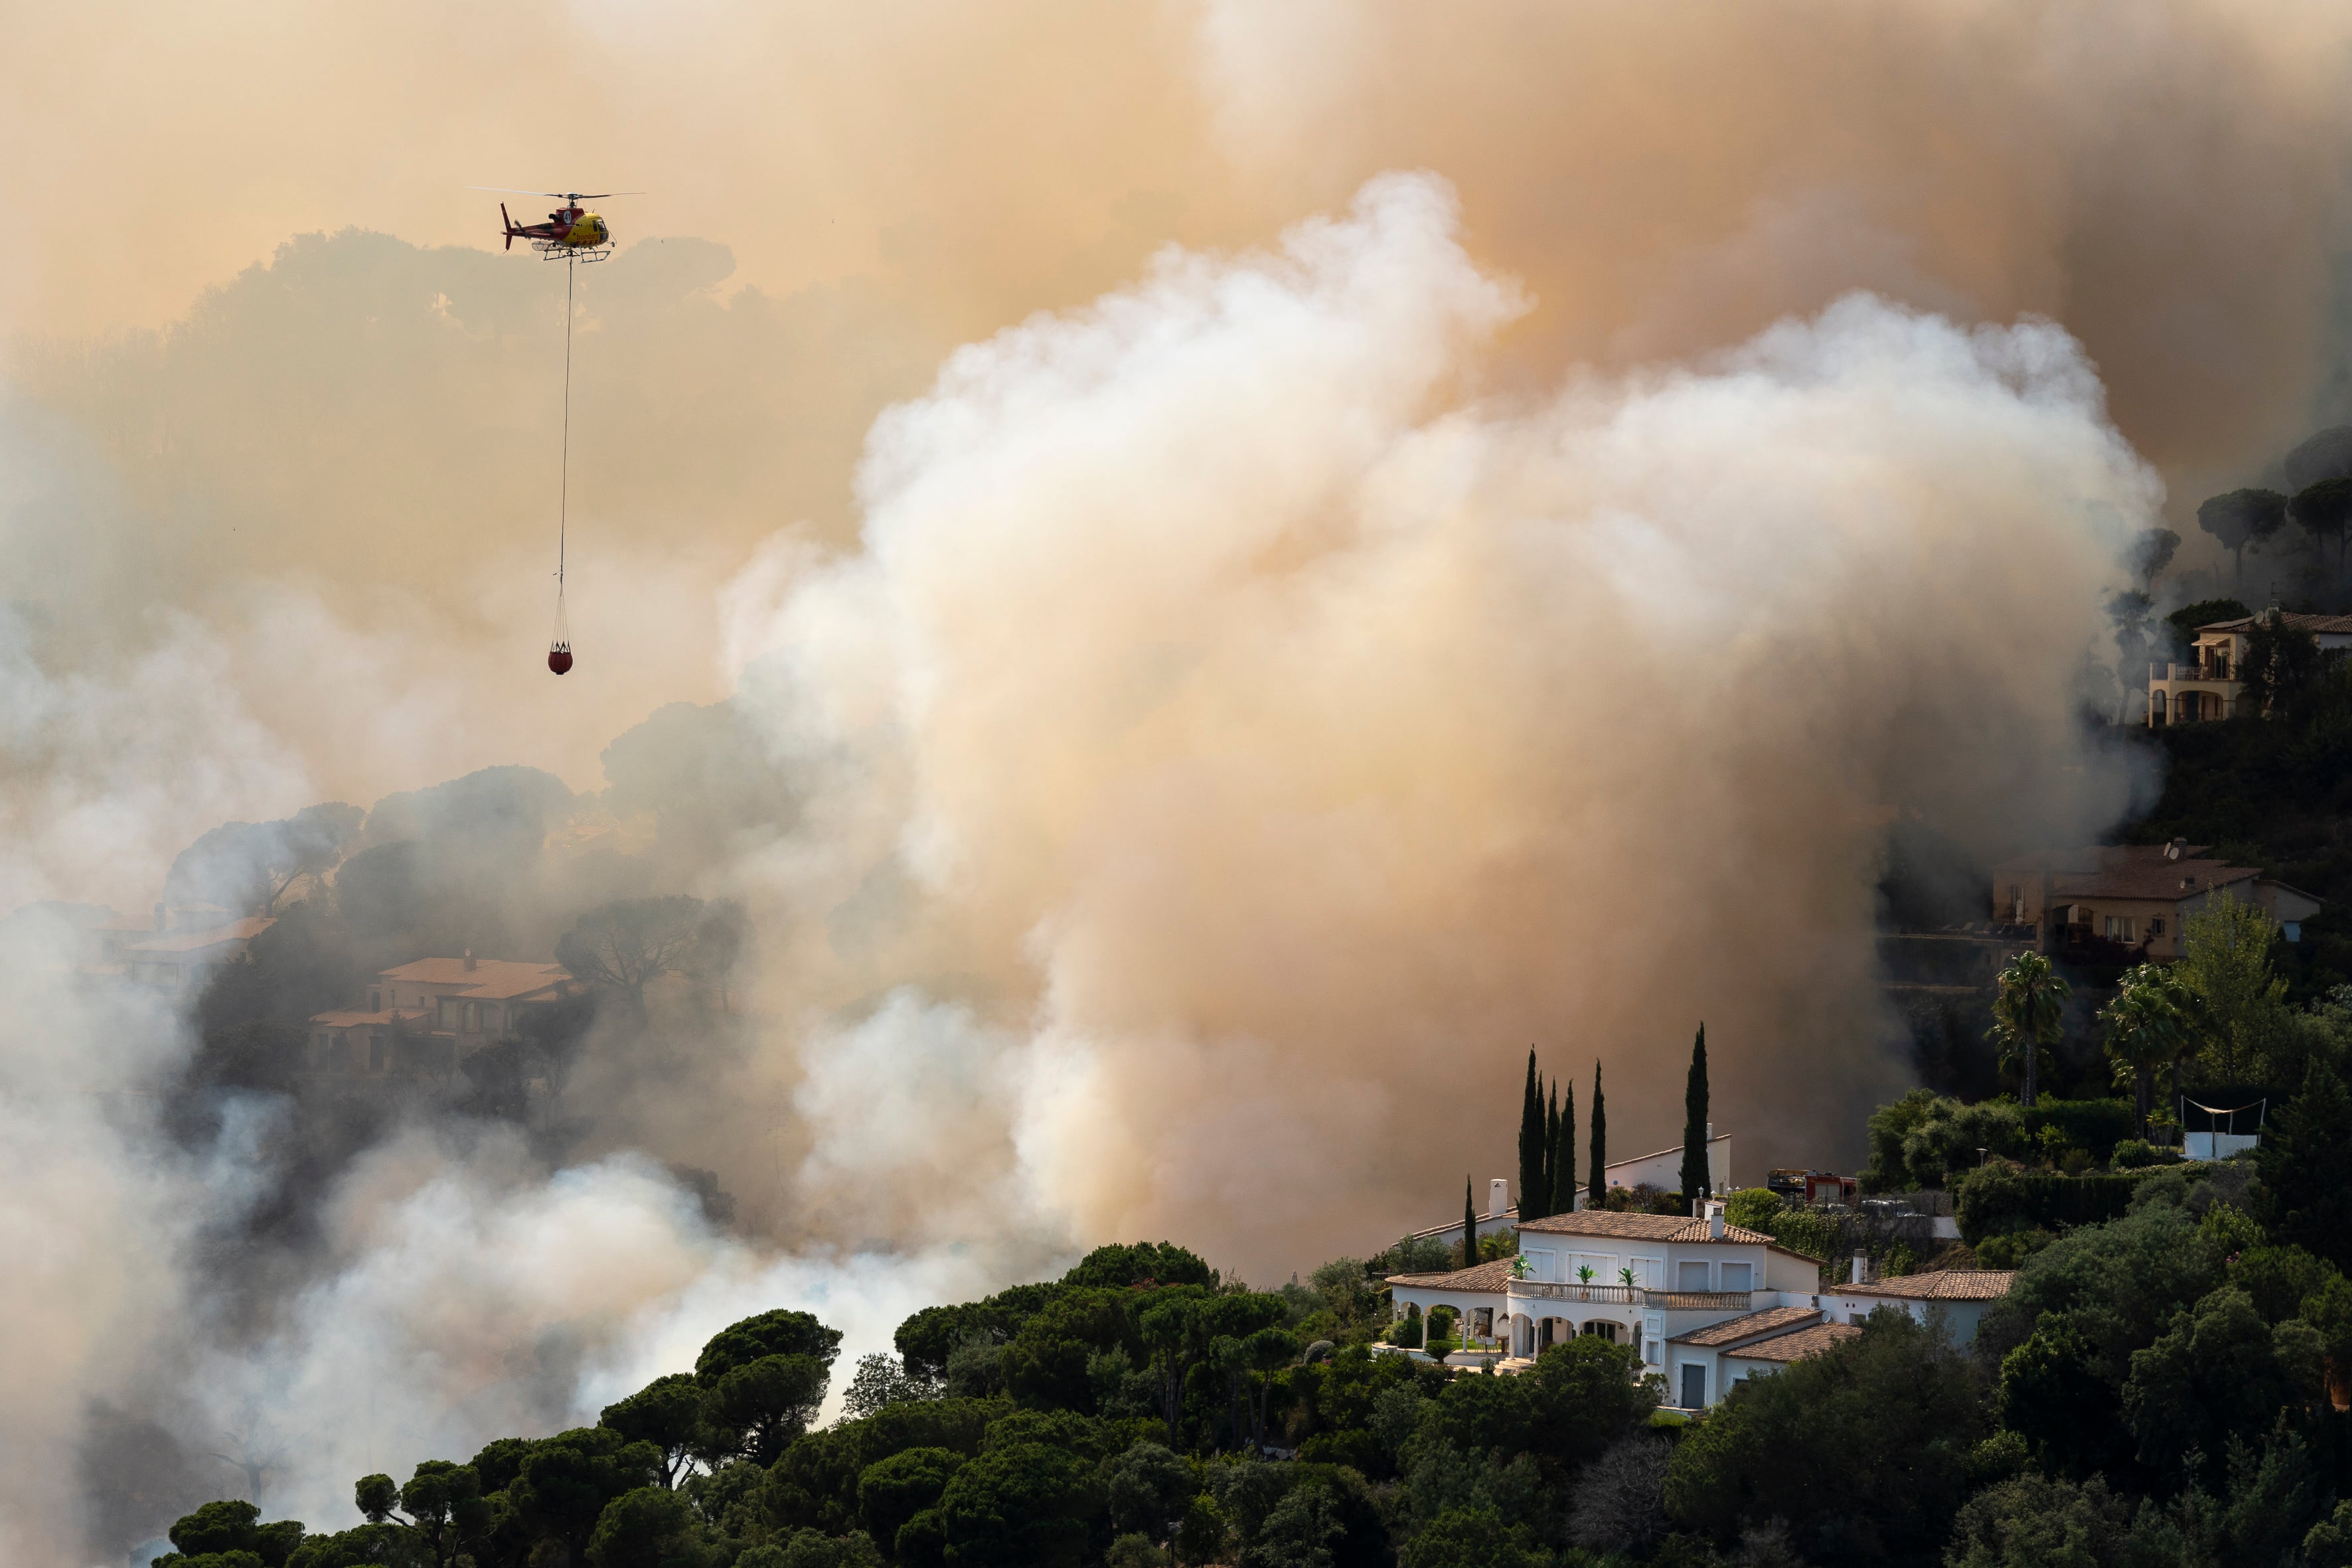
<point>556,250</point>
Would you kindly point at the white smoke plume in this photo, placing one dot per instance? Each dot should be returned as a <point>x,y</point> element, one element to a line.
<point>1282,736</point>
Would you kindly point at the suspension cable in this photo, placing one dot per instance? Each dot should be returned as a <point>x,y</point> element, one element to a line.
<point>564,485</point>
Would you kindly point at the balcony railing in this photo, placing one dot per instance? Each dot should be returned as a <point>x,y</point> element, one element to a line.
<point>2217,671</point>
<point>1632,1296</point>
<point>1613,1295</point>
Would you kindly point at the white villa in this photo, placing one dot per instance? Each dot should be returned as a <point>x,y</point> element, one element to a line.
<point>1704,1302</point>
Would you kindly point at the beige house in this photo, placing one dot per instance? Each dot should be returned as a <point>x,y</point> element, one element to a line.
<point>2133,896</point>
<point>433,1013</point>
<point>2207,687</point>
<point>1705,1303</point>
<point>180,960</point>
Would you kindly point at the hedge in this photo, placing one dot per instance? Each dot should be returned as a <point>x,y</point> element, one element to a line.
<point>1999,1197</point>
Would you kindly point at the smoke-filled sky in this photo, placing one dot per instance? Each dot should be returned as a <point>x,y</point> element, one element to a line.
<point>1262,558</point>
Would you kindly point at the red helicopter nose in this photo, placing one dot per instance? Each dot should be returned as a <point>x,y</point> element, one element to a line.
<point>559,660</point>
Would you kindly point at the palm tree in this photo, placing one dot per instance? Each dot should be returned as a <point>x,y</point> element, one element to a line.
<point>2028,1013</point>
<point>2147,1029</point>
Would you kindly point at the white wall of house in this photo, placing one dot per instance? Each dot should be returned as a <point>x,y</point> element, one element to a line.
<point>1664,1170</point>
<point>1960,1317</point>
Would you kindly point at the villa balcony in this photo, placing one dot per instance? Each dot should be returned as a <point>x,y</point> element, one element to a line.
<point>2217,671</point>
<point>1634,1295</point>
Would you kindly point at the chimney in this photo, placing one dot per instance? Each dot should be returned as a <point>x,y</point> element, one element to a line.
<point>1498,1197</point>
<point>159,916</point>
<point>469,958</point>
<point>1715,1222</point>
<point>1861,1269</point>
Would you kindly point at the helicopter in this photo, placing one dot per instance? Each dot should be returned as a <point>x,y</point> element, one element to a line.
<point>572,231</point>
<point>576,234</point>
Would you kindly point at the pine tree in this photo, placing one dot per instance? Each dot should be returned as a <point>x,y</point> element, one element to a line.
<point>1596,1185</point>
<point>2304,1161</point>
<point>1695,1183</point>
<point>1531,1147</point>
<point>1563,1158</point>
<point>1469,1227</point>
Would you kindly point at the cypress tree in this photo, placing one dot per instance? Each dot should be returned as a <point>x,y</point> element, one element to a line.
<point>1563,1159</point>
<point>1469,1227</point>
<point>1695,1187</point>
<point>1551,1151</point>
<point>1531,1149</point>
<point>1596,1185</point>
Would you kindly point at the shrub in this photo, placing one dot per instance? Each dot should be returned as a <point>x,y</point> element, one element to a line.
<point>1753,1208</point>
<point>1999,1197</point>
<point>2134,1154</point>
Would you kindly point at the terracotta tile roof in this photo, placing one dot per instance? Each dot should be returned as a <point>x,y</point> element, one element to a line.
<point>1937,1284</point>
<point>2157,878</point>
<point>1799,1343</point>
<point>352,1020</point>
<point>2312,624</point>
<point>1495,1275</point>
<point>193,940</point>
<point>1640,1228</point>
<point>490,978</point>
<point>2125,872</point>
<point>1751,1325</point>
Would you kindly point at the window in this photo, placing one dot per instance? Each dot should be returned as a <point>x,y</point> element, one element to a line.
<point>1649,1273</point>
<point>1694,1387</point>
<point>1539,1264</point>
<point>2121,928</point>
<point>2155,926</point>
<point>473,1016</point>
<point>1739,1276</point>
<point>449,1012</point>
<point>1690,1276</point>
<point>375,1002</point>
<point>2155,706</point>
<point>1600,1329</point>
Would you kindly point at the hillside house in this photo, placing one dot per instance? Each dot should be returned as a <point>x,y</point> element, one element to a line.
<point>2207,687</point>
<point>1703,1302</point>
<point>1663,1169</point>
<point>185,949</point>
<point>2132,899</point>
<point>433,1013</point>
<point>1963,1296</point>
<point>1501,1215</point>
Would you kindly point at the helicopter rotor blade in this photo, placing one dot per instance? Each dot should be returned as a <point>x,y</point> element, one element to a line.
<point>560,195</point>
